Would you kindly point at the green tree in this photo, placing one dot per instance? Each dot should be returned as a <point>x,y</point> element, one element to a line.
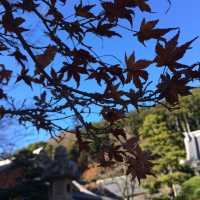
<point>135,119</point>
<point>190,189</point>
<point>166,148</point>
<point>184,117</point>
<point>189,111</point>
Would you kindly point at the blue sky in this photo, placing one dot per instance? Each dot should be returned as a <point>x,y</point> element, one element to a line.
<point>182,13</point>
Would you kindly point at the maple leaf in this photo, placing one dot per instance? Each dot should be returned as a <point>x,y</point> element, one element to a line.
<point>19,56</point>
<point>41,100</point>
<point>116,70</point>
<point>74,29</point>
<point>171,87</point>
<point>125,3</point>
<point>57,77</point>
<point>112,115</point>
<point>53,2</point>
<point>113,11</point>
<point>134,97</point>
<point>27,5</point>
<point>131,144</point>
<point>12,24</point>
<point>191,73</point>
<point>82,56</point>
<point>112,152</point>
<point>25,77</point>
<point>46,57</point>
<point>112,91</point>
<point>118,156</point>
<point>138,161</point>
<point>18,21</point>
<point>84,11</point>
<point>2,96</point>
<point>140,165</point>
<point>53,11</point>
<point>73,71</point>
<point>135,70</point>
<point>118,132</point>
<point>3,47</point>
<point>147,31</point>
<point>2,112</point>
<point>168,54</point>
<point>5,74</point>
<point>143,5</point>
<point>101,73</point>
<point>7,22</point>
<point>104,30</point>
<point>95,75</point>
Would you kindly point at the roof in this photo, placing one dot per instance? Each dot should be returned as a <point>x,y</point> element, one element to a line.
<point>193,133</point>
<point>82,193</point>
<point>5,164</point>
<point>84,196</point>
<point>116,186</point>
<point>38,150</point>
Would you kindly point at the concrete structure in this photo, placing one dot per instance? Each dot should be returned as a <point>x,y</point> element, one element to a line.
<point>121,187</point>
<point>192,147</point>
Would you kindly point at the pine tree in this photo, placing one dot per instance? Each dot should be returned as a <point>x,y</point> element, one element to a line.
<point>166,148</point>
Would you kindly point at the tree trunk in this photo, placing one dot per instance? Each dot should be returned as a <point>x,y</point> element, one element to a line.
<point>172,193</point>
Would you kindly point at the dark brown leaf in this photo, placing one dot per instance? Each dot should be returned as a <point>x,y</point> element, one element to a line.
<point>112,115</point>
<point>171,88</point>
<point>5,75</point>
<point>84,11</point>
<point>169,54</point>
<point>104,30</point>
<point>147,31</point>
<point>19,56</point>
<point>47,56</point>
<point>144,6</point>
<point>3,47</point>
<point>114,11</point>
<point>136,70</point>
<point>27,5</point>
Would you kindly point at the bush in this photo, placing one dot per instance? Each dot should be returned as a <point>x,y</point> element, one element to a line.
<point>190,189</point>
<point>162,197</point>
